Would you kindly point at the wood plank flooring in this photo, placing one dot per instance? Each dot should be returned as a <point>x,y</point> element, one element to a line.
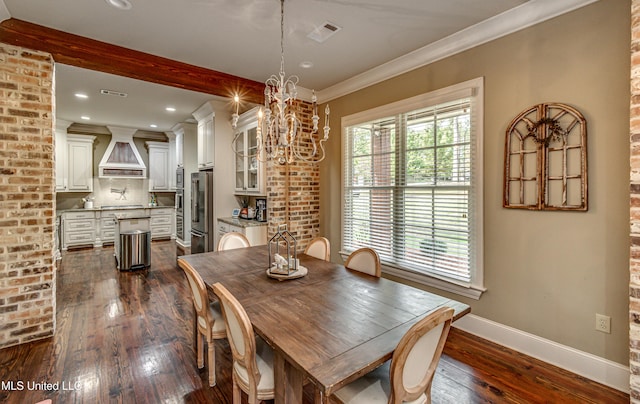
<point>126,337</point>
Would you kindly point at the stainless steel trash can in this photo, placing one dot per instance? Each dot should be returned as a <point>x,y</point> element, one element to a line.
<point>135,250</point>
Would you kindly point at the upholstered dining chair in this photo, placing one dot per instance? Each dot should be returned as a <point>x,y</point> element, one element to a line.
<point>319,248</point>
<point>232,240</point>
<point>409,377</point>
<point>252,357</point>
<point>364,260</point>
<point>209,322</point>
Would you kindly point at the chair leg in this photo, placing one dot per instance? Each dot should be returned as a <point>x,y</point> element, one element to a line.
<point>237,399</point>
<point>211,362</point>
<point>199,349</point>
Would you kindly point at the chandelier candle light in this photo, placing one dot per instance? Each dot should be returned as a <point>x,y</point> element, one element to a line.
<point>280,134</point>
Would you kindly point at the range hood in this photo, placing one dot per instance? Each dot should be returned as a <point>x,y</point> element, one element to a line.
<point>122,159</point>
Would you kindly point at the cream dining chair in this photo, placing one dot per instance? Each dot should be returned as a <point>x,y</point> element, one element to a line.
<point>232,240</point>
<point>409,377</point>
<point>319,248</point>
<point>209,322</point>
<point>364,260</point>
<point>252,357</point>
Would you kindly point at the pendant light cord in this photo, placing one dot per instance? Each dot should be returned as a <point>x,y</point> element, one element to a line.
<point>282,37</point>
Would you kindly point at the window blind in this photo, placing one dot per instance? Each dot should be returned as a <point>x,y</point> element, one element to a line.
<point>408,189</point>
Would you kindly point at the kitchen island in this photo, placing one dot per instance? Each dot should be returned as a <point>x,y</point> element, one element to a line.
<point>95,227</point>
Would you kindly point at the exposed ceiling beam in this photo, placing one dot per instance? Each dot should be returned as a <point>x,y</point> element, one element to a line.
<point>90,54</point>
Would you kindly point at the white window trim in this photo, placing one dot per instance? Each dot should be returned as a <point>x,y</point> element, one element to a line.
<point>472,88</point>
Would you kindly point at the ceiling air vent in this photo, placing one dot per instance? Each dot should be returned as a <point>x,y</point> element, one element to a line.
<point>114,93</point>
<point>324,31</point>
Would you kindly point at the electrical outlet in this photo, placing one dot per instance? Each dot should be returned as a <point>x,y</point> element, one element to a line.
<point>603,323</point>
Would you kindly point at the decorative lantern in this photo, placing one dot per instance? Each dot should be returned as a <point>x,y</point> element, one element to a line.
<point>283,256</point>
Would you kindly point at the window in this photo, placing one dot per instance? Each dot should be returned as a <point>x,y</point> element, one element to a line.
<point>412,187</point>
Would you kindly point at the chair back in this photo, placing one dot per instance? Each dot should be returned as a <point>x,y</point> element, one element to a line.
<point>319,248</point>
<point>364,260</point>
<point>240,334</point>
<point>199,295</point>
<point>416,357</point>
<point>232,240</point>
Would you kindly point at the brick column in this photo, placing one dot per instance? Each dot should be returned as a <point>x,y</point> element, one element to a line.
<point>27,198</point>
<point>293,191</point>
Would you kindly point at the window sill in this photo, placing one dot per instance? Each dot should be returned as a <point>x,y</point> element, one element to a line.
<point>470,291</point>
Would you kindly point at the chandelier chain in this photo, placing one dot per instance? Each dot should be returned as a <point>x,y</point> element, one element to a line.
<point>280,133</point>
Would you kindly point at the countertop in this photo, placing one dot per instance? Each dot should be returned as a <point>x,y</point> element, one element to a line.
<point>111,207</point>
<point>242,222</point>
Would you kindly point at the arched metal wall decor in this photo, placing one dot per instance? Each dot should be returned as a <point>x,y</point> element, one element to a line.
<point>545,159</point>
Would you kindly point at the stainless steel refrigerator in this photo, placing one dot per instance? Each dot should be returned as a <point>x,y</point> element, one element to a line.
<point>202,221</point>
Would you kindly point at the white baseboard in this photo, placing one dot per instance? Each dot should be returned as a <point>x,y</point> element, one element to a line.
<point>183,243</point>
<point>600,370</point>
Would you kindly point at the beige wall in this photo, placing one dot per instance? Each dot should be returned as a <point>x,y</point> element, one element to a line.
<point>547,273</point>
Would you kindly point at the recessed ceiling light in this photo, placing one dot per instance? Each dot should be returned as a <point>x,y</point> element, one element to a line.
<point>153,125</point>
<point>170,109</point>
<point>120,4</point>
<point>306,64</point>
<point>81,95</point>
<point>86,118</point>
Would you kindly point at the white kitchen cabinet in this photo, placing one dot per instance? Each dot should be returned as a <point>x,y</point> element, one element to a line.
<point>78,228</point>
<point>173,160</point>
<point>74,162</point>
<point>255,232</point>
<point>61,154</point>
<point>159,166</point>
<point>96,227</point>
<point>162,223</point>
<point>250,178</point>
<point>179,131</point>
<point>205,116</point>
<point>107,228</point>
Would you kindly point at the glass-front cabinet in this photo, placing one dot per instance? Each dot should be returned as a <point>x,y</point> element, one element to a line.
<point>249,170</point>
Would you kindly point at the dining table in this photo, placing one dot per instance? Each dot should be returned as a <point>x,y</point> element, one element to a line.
<point>328,327</point>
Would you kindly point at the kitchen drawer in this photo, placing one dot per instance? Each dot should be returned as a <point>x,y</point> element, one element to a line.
<point>160,231</point>
<point>108,234</point>
<point>79,237</point>
<point>111,214</point>
<point>237,229</point>
<point>223,227</point>
<point>107,223</point>
<point>161,212</point>
<point>79,215</point>
<point>78,225</point>
<point>159,220</point>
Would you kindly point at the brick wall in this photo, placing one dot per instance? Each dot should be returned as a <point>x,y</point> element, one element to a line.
<point>293,191</point>
<point>27,199</point>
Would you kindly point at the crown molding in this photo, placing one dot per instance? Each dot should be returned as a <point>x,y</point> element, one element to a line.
<point>530,13</point>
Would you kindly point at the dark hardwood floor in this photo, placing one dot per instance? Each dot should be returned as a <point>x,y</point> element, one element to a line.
<point>126,337</point>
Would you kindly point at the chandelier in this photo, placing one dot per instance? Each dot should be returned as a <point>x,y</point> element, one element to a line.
<point>280,134</point>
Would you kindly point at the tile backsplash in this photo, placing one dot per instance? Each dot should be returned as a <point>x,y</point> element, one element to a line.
<point>136,192</point>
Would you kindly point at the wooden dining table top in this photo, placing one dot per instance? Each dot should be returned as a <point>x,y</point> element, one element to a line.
<point>332,325</point>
